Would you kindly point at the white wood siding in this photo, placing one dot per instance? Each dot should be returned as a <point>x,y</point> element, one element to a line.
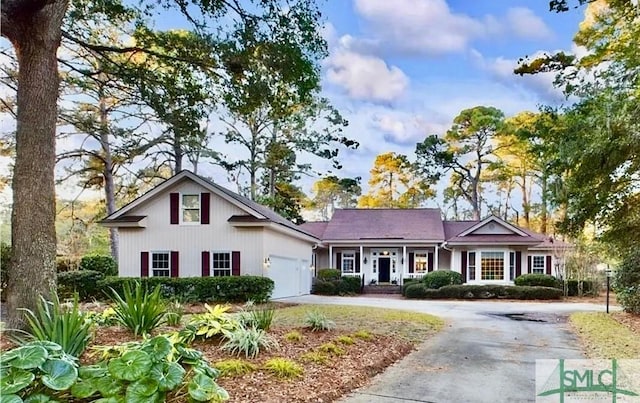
<point>189,240</point>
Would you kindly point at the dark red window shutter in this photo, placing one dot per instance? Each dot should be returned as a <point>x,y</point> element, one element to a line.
<point>357,262</point>
<point>205,199</point>
<point>411,262</point>
<point>175,264</point>
<point>339,261</point>
<point>463,266</point>
<point>174,207</point>
<point>429,262</point>
<point>144,264</point>
<point>529,264</point>
<point>548,264</point>
<point>235,263</point>
<point>518,264</point>
<point>206,264</point>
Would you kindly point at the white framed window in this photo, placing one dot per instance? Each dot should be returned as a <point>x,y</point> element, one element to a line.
<point>190,206</point>
<point>512,266</point>
<point>491,265</point>
<point>348,261</point>
<point>420,262</point>
<point>220,263</point>
<point>538,264</point>
<point>160,264</point>
<point>471,265</point>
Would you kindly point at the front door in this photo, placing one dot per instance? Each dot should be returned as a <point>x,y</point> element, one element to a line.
<point>384,268</point>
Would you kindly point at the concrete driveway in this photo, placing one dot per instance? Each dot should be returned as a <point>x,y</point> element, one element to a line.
<point>486,353</point>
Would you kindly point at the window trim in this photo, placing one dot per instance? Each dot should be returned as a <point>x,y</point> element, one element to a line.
<point>182,209</point>
<point>533,264</point>
<point>472,264</point>
<point>213,269</point>
<point>344,258</point>
<point>505,261</point>
<point>426,261</point>
<point>151,269</point>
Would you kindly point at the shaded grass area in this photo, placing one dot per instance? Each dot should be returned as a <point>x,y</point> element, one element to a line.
<point>410,326</point>
<point>604,337</point>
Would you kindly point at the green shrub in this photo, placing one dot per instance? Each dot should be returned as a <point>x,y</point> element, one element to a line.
<point>212,323</point>
<point>537,280</point>
<point>66,263</point>
<point>418,290</point>
<point>100,263</point>
<point>137,309</point>
<point>247,341</point>
<point>67,327</point>
<point>589,287</point>
<point>629,298</point>
<point>628,273</point>
<point>321,287</point>
<point>294,336</point>
<point>328,274</point>
<point>406,282</point>
<point>83,282</point>
<point>283,368</point>
<point>348,285</point>
<point>234,367</point>
<point>440,278</point>
<point>316,357</point>
<point>331,348</point>
<point>202,289</point>
<point>484,292</point>
<point>318,321</point>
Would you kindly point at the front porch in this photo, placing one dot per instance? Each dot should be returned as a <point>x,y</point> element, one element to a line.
<point>384,264</point>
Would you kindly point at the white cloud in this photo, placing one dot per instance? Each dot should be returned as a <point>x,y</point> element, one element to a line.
<point>366,77</point>
<point>405,128</point>
<point>525,24</point>
<point>501,69</point>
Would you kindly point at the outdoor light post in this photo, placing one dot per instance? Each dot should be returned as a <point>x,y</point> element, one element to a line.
<point>608,281</point>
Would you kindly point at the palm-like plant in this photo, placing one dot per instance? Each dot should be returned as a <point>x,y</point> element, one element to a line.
<point>68,327</point>
<point>138,309</point>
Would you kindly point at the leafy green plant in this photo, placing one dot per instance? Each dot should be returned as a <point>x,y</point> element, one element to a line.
<point>283,368</point>
<point>315,357</point>
<point>262,317</point>
<point>138,309</point>
<point>100,263</point>
<point>68,327</point>
<point>440,278</point>
<point>328,274</point>
<point>318,321</point>
<point>331,348</point>
<point>537,279</point>
<point>234,367</point>
<point>346,340</point>
<point>36,370</point>
<point>175,311</point>
<point>294,336</point>
<point>212,323</point>
<point>248,341</point>
<point>363,335</point>
<point>104,318</point>
<point>82,282</point>
<point>154,370</point>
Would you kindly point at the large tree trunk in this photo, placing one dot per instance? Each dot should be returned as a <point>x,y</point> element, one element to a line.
<point>109,186</point>
<point>33,28</point>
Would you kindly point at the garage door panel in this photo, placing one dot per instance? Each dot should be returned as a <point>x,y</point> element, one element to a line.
<point>285,273</point>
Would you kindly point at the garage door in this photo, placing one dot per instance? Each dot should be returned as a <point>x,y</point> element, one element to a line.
<point>289,277</point>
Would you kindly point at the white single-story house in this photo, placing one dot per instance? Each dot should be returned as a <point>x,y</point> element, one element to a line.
<point>188,226</point>
<point>391,245</point>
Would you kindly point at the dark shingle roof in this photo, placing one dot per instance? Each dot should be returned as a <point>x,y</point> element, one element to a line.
<point>411,224</point>
<point>316,228</point>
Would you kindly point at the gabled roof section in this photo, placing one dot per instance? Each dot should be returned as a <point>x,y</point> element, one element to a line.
<point>397,224</point>
<point>252,208</point>
<point>316,228</point>
<point>496,220</point>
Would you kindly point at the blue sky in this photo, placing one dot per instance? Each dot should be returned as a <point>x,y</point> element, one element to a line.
<point>401,70</point>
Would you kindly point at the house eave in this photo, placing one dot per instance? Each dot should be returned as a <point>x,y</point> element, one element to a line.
<point>141,223</point>
<point>380,241</point>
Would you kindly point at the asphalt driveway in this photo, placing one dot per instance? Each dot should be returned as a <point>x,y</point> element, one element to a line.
<point>486,353</point>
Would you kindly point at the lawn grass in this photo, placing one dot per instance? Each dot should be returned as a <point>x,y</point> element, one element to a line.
<point>604,337</point>
<point>411,326</point>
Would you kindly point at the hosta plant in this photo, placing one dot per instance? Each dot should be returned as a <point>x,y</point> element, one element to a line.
<point>63,324</point>
<point>38,371</point>
<point>137,309</point>
<point>248,341</point>
<point>209,324</point>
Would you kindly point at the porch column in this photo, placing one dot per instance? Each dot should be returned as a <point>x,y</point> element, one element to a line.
<point>435,258</point>
<point>331,257</point>
<point>404,262</point>
<point>361,262</point>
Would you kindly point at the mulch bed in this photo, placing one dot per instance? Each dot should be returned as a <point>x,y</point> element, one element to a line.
<point>319,382</point>
<point>629,320</point>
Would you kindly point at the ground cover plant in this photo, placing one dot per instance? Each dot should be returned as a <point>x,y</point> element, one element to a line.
<point>608,335</point>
